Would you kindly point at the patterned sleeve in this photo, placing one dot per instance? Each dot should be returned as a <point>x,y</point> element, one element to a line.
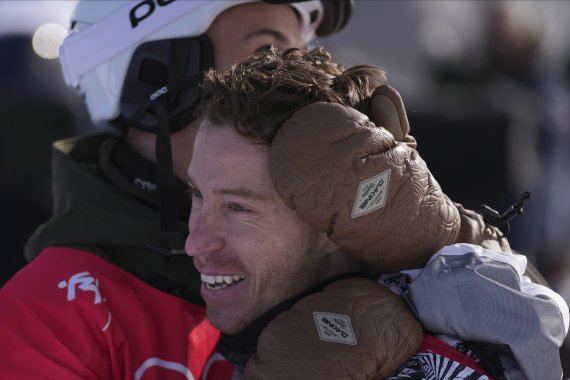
<point>441,358</point>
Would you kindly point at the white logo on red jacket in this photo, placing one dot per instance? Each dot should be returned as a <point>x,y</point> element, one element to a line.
<point>83,281</point>
<point>164,364</point>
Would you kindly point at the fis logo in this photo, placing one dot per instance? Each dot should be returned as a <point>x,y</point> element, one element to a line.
<point>82,281</point>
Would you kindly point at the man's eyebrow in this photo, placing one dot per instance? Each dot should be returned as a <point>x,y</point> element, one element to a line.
<point>242,192</point>
<point>276,34</point>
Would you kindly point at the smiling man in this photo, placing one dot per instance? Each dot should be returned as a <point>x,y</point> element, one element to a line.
<point>255,255</point>
<point>287,170</point>
<point>252,251</point>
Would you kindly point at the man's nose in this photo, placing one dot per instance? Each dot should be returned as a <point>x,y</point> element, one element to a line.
<point>205,236</point>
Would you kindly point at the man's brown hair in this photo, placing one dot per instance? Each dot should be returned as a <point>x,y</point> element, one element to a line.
<point>259,94</point>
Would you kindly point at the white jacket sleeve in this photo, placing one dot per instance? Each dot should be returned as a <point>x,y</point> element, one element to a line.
<point>481,295</point>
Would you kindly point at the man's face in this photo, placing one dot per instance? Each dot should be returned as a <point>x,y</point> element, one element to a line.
<point>237,33</point>
<point>251,249</point>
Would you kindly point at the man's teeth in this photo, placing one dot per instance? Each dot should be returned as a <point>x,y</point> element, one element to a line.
<point>220,282</point>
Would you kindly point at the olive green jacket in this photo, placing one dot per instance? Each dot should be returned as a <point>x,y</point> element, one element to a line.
<point>104,202</point>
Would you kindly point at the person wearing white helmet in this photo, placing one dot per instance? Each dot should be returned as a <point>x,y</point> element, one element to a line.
<point>109,292</point>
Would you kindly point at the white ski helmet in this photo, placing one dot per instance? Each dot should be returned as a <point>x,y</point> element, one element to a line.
<point>112,44</point>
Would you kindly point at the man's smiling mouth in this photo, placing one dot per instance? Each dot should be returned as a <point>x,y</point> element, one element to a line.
<point>220,282</point>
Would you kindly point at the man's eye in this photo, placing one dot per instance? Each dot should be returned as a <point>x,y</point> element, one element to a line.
<point>237,207</point>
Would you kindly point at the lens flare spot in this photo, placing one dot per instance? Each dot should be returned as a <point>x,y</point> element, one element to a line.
<point>47,39</point>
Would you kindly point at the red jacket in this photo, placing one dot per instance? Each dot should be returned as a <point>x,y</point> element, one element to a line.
<point>72,315</point>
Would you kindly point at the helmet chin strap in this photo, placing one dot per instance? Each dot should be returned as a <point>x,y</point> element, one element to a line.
<point>172,239</point>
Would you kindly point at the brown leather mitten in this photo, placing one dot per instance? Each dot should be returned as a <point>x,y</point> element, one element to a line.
<point>371,193</point>
<point>475,231</point>
<point>354,329</point>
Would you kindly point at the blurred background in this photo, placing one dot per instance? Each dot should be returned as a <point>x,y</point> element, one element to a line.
<point>486,86</point>
<point>36,108</point>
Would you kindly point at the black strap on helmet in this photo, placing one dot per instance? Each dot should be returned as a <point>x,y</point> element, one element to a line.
<point>172,238</point>
<point>166,74</point>
<point>337,14</point>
